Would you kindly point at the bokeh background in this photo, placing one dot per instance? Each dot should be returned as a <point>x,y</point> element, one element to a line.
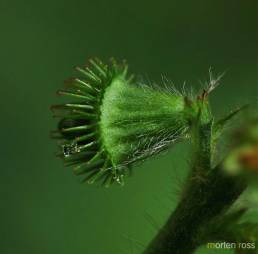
<point>44,209</point>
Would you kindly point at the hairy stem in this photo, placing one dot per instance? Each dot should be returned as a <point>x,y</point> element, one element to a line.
<point>208,193</point>
<point>202,202</point>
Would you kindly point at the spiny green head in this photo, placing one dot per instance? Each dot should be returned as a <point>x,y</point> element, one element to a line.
<point>114,121</point>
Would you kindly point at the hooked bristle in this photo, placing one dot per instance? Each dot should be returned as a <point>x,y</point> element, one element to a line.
<point>79,124</point>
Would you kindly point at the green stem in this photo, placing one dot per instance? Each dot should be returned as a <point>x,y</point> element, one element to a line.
<point>202,202</point>
<point>209,192</point>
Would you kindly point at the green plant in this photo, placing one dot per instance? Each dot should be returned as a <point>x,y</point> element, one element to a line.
<point>119,121</point>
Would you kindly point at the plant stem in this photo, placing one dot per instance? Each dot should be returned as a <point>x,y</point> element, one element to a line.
<point>208,193</point>
<point>202,202</point>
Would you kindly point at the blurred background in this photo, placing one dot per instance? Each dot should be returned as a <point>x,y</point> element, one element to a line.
<point>44,209</point>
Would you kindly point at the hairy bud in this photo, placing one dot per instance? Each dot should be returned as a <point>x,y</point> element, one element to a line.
<point>116,121</point>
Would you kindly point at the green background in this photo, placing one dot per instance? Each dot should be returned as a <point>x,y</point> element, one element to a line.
<point>44,209</point>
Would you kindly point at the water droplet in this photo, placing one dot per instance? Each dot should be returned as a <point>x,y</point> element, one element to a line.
<point>69,149</point>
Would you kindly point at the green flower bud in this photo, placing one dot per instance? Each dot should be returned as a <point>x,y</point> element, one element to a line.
<point>116,121</point>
